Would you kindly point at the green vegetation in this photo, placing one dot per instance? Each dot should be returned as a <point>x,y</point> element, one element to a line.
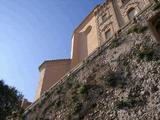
<point>77,107</point>
<point>58,103</point>
<point>115,43</point>
<point>130,103</point>
<point>111,79</point>
<point>146,54</point>
<point>86,61</point>
<point>81,98</point>
<point>75,96</point>
<point>126,104</point>
<point>59,89</point>
<point>156,5</point>
<point>142,29</point>
<point>137,29</point>
<point>82,89</point>
<point>10,102</point>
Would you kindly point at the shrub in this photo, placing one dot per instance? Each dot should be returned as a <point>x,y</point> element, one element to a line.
<point>142,29</point>
<point>115,43</point>
<point>77,107</point>
<point>156,6</point>
<point>58,103</point>
<point>70,83</point>
<point>94,105</point>
<point>137,29</point>
<point>74,98</point>
<point>126,104</point>
<point>59,89</point>
<point>146,54</point>
<point>47,94</point>
<point>110,80</point>
<point>132,30</point>
<point>121,104</point>
<point>83,89</point>
<point>86,61</point>
<point>40,104</point>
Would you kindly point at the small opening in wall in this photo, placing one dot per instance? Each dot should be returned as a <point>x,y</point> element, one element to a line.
<point>104,17</point>
<point>125,1</point>
<point>131,13</point>
<point>108,34</point>
<point>88,30</point>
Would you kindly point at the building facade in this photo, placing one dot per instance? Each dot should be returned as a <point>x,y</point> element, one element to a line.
<point>102,23</point>
<point>50,72</point>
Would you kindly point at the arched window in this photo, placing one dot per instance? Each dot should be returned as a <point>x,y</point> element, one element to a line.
<point>108,34</point>
<point>131,13</point>
<point>104,17</point>
<point>88,30</point>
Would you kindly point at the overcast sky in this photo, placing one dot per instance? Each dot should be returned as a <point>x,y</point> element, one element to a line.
<point>32,31</point>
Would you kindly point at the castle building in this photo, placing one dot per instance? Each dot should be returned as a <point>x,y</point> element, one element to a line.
<point>98,27</point>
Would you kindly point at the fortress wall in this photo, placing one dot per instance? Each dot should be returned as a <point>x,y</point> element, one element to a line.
<point>88,36</point>
<point>136,93</point>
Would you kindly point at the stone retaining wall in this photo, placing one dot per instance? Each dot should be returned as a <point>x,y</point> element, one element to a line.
<point>120,81</point>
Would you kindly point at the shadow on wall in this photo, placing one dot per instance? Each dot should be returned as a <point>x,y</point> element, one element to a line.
<point>83,48</point>
<point>154,24</point>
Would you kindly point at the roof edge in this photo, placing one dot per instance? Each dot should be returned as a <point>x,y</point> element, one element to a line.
<point>56,60</point>
<point>82,22</point>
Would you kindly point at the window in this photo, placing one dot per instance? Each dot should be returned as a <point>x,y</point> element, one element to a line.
<point>131,13</point>
<point>88,30</point>
<point>125,1</point>
<point>104,17</point>
<point>108,34</point>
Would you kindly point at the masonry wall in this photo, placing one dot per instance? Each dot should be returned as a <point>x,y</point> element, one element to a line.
<point>120,80</point>
<point>139,5</point>
<point>91,34</point>
<point>111,23</point>
<point>40,84</point>
<point>84,39</point>
<point>50,73</point>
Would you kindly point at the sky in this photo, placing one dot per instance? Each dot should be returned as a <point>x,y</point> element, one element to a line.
<point>32,31</point>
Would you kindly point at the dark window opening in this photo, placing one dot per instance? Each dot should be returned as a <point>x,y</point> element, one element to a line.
<point>108,34</point>
<point>131,13</point>
<point>104,17</point>
<point>125,1</point>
